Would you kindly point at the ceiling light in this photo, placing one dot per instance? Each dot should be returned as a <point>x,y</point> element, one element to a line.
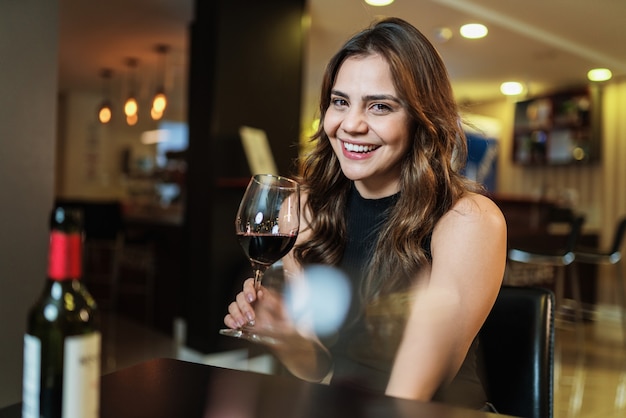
<point>599,74</point>
<point>159,102</point>
<point>155,113</point>
<point>379,2</point>
<point>473,31</point>
<point>130,106</point>
<point>511,88</point>
<point>105,111</point>
<point>131,120</point>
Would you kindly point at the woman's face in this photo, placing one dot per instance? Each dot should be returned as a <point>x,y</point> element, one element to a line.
<point>367,125</point>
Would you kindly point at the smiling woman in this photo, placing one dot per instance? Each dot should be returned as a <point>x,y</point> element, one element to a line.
<point>383,199</point>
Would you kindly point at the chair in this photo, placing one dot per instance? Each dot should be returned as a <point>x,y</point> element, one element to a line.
<point>136,272</point>
<point>562,259</point>
<point>517,342</point>
<point>612,256</point>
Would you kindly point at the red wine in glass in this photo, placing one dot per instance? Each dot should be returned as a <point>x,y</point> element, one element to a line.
<point>263,250</point>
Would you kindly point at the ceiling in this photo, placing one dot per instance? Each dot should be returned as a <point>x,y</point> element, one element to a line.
<point>95,35</point>
<point>545,44</point>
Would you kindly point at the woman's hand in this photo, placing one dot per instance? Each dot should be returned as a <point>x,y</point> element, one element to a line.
<point>262,311</point>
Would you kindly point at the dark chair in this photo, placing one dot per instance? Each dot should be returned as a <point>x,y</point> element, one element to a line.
<point>517,343</point>
<point>611,256</point>
<point>560,258</point>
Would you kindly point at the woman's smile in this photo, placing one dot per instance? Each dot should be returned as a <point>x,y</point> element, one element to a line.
<point>357,151</point>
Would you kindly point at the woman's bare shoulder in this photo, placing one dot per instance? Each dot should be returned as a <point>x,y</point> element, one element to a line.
<point>474,210</point>
<point>475,204</point>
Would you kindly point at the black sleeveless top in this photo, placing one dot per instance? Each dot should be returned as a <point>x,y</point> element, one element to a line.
<point>364,348</point>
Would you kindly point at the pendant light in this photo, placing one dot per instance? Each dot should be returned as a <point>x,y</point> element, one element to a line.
<point>130,106</point>
<point>159,102</point>
<point>105,111</point>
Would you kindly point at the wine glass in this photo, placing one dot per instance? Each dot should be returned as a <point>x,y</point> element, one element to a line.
<point>266,225</point>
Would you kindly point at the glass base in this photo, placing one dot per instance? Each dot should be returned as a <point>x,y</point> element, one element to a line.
<point>247,334</point>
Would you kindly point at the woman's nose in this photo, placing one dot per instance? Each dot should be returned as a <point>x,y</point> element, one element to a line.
<point>354,121</point>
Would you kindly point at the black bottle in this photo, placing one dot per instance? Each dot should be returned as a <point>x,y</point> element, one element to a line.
<point>62,342</point>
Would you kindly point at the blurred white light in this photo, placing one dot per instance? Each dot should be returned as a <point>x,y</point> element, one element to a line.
<point>154,137</point>
<point>599,74</point>
<point>474,31</point>
<point>511,88</point>
<point>320,297</point>
<point>379,2</point>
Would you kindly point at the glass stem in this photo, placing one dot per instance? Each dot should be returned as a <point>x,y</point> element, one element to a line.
<point>258,275</point>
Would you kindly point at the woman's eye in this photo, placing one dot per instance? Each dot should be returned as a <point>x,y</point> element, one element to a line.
<point>381,107</point>
<point>339,102</point>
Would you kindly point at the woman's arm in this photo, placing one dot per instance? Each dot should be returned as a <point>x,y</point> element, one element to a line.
<point>452,298</point>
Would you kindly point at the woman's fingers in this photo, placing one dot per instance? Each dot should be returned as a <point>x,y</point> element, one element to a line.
<point>243,303</point>
<point>240,313</point>
<point>230,322</point>
<point>234,318</point>
<point>249,290</point>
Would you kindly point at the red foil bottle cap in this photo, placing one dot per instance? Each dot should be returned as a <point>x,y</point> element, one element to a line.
<point>65,256</point>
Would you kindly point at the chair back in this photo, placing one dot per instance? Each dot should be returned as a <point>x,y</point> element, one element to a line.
<point>517,343</point>
<point>576,226</point>
<point>619,236</point>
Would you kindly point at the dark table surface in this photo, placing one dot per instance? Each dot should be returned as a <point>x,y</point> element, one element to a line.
<point>173,388</point>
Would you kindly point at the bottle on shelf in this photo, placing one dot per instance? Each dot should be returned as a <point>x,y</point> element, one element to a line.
<point>62,342</point>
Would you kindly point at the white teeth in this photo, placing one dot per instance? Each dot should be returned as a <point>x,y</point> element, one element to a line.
<point>359,148</point>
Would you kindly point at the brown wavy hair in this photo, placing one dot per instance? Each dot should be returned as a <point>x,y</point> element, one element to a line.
<point>430,181</point>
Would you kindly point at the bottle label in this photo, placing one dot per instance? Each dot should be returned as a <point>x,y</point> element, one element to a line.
<point>65,256</point>
<point>31,381</point>
<point>81,377</point>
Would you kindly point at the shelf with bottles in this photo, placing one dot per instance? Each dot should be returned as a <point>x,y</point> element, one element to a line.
<point>556,129</point>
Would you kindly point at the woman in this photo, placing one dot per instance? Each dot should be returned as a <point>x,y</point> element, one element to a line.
<point>383,199</point>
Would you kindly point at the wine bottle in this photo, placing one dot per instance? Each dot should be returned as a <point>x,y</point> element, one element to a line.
<point>62,341</point>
